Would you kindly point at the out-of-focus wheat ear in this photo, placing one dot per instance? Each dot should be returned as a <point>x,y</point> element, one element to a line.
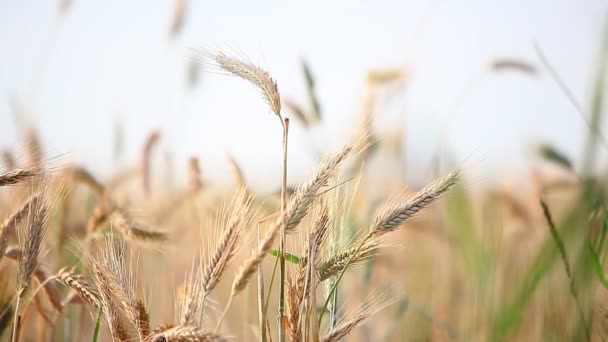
<point>187,334</point>
<point>177,18</point>
<point>349,258</point>
<point>257,76</point>
<point>100,213</point>
<point>81,285</point>
<point>237,175</point>
<point>143,318</point>
<point>134,230</point>
<point>151,140</point>
<point>8,160</point>
<point>33,150</point>
<point>370,306</point>
<point>8,227</point>
<point>41,275</point>
<point>194,175</point>
<point>297,112</point>
<point>513,64</point>
<point>81,175</point>
<point>303,198</point>
<point>16,176</point>
<point>397,212</point>
<point>34,234</point>
<point>63,7</point>
<point>386,75</point>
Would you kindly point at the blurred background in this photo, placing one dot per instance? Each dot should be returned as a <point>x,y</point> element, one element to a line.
<point>96,77</point>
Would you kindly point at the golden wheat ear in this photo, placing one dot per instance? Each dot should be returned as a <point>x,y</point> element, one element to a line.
<point>8,227</point>
<point>395,213</point>
<point>258,77</point>
<point>304,196</point>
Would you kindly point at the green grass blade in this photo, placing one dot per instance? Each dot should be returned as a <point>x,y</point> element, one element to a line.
<point>97,324</point>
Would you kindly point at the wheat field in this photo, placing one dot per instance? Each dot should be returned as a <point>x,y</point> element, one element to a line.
<point>347,254</point>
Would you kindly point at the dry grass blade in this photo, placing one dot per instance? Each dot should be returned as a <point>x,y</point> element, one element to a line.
<point>259,77</point>
<point>304,196</point>
<point>394,214</point>
<point>187,334</point>
<point>81,285</point>
<point>16,176</point>
<point>134,230</point>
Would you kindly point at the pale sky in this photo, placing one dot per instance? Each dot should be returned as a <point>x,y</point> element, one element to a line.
<point>113,58</point>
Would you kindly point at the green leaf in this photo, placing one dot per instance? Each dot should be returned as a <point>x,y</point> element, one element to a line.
<point>597,266</point>
<point>97,324</point>
<point>289,257</point>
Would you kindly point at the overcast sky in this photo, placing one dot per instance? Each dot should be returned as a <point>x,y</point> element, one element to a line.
<point>113,60</point>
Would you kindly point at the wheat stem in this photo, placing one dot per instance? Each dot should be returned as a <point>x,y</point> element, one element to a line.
<point>285,124</point>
